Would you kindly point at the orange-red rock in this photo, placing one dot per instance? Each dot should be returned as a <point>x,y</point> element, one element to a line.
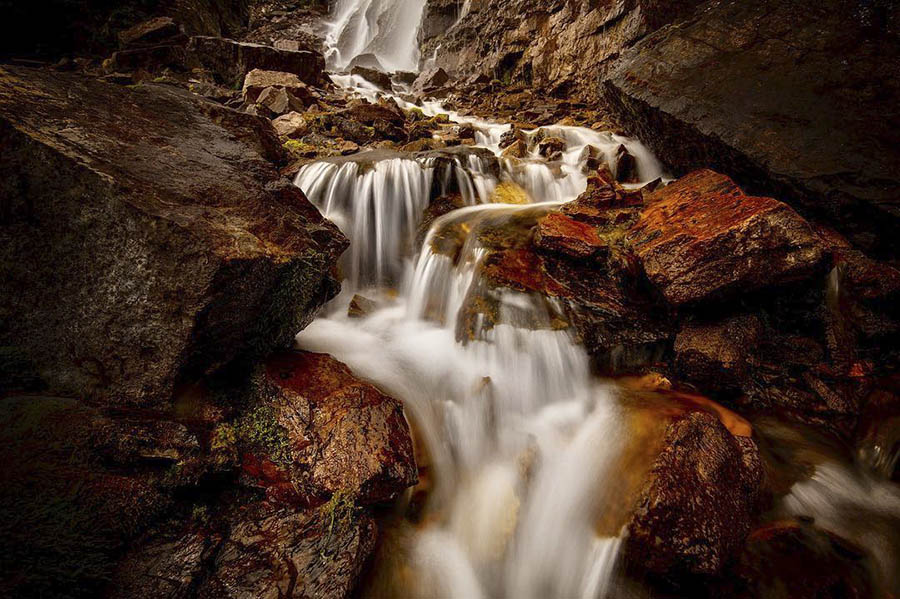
<point>559,233</point>
<point>701,238</point>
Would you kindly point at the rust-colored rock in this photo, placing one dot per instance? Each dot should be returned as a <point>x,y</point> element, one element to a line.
<point>699,502</point>
<point>559,233</point>
<point>698,245</point>
<point>340,434</point>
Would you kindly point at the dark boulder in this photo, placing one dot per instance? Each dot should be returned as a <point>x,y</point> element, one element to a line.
<point>230,61</point>
<point>702,239</point>
<point>149,33</point>
<point>430,80</point>
<point>794,99</point>
<point>379,78</point>
<point>699,503</point>
<point>717,355</point>
<point>181,246</point>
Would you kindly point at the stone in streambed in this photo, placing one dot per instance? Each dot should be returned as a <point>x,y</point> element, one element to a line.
<point>559,233</point>
<point>379,78</point>
<point>716,355</point>
<point>327,432</point>
<point>699,502</point>
<point>182,247</point>
<point>430,80</point>
<point>291,125</point>
<point>701,239</point>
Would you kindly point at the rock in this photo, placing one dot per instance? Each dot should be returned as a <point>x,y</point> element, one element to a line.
<point>700,239</point>
<point>797,560</point>
<point>278,101</point>
<point>367,60</point>
<point>291,125</point>
<point>699,502</point>
<point>230,61</point>
<point>149,58</point>
<point>466,131</point>
<point>559,233</point>
<point>404,77</point>
<point>430,80</point>
<point>551,148</point>
<point>511,136</point>
<point>149,33</point>
<point>726,89</point>
<point>517,149</point>
<point>290,45</point>
<point>379,78</point>
<point>180,217</point>
<point>336,433</point>
<point>360,307</point>
<point>369,113</point>
<point>603,203</point>
<point>716,355</point>
<point>626,166</point>
<point>259,80</point>
<point>279,552</point>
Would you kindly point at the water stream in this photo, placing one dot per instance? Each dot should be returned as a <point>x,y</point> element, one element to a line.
<point>520,445</point>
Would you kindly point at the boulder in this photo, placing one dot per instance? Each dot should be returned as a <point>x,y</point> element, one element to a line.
<point>149,58</point>
<point>182,247</point>
<point>626,166</point>
<point>559,233</point>
<point>271,551</point>
<point>277,101</point>
<point>230,61</point>
<point>148,33</point>
<point>699,501</point>
<point>716,355</point>
<point>291,125</point>
<point>799,111</point>
<point>551,148</point>
<point>333,432</point>
<point>430,80</point>
<point>379,78</point>
<point>259,80</point>
<point>701,239</point>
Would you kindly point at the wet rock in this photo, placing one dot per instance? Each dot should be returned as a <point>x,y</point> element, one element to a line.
<point>369,113</point>
<point>230,61</point>
<point>280,552</point>
<point>517,149</point>
<point>559,233</point>
<point>699,503</point>
<point>168,206</point>
<point>790,559</point>
<point>604,203</point>
<point>258,80</point>
<point>511,136</point>
<point>430,80</point>
<point>551,148</point>
<point>716,355</point>
<point>819,133</point>
<point>698,245</point>
<point>626,166</point>
<point>379,78</point>
<point>327,432</point>
<point>367,60</point>
<point>877,434</point>
<point>405,77</point>
<point>152,32</point>
<point>278,101</point>
<point>291,125</point>
<point>360,307</point>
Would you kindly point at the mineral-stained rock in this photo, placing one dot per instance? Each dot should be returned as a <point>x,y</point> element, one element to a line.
<point>807,112</point>
<point>559,233</point>
<point>379,78</point>
<point>699,502</point>
<point>698,245</point>
<point>280,552</point>
<point>182,248</point>
<point>341,435</point>
<point>230,60</point>
<point>716,354</point>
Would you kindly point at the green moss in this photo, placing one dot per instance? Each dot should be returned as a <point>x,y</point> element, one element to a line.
<point>259,429</point>
<point>441,118</point>
<point>298,149</point>
<point>337,515</point>
<point>415,114</point>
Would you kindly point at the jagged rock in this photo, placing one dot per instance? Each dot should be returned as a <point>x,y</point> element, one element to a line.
<point>551,148</point>
<point>517,149</point>
<point>716,355</point>
<point>259,80</point>
<point>699,502</point>
<point>430,80</point>
<point>230,61</point>
<point>148,33</point>
<point>368,113</point>
<point>701,239</point>
<point>277,552</point>
<point>278,101</point>
<point>339,433</point>
<point>626,166</point>
<point>379,78</point>
<point>559,233</point>
<point>291,125</point>
<point>511,136</point>
<point>360,307</point>
<point>182,247</point>
<point>603,203</point>
<point>725,89</point>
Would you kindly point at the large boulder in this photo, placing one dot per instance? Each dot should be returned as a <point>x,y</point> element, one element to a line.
<point>795,99</point>
<point>146,236</point>
<point>702,239</point>
<point>230,60</point>
<point>699,501</point>
<point>326,432</point>
<point>717,354</point>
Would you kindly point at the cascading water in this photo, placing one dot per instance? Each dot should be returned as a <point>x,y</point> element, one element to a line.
<point>520,441</point>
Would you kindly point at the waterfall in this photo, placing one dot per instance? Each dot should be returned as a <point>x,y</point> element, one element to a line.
<point>387,30</point>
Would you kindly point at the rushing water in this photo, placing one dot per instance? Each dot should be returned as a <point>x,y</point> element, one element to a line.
<point>520,445</point>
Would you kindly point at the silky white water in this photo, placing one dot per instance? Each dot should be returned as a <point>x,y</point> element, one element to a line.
<point>388,30</point>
